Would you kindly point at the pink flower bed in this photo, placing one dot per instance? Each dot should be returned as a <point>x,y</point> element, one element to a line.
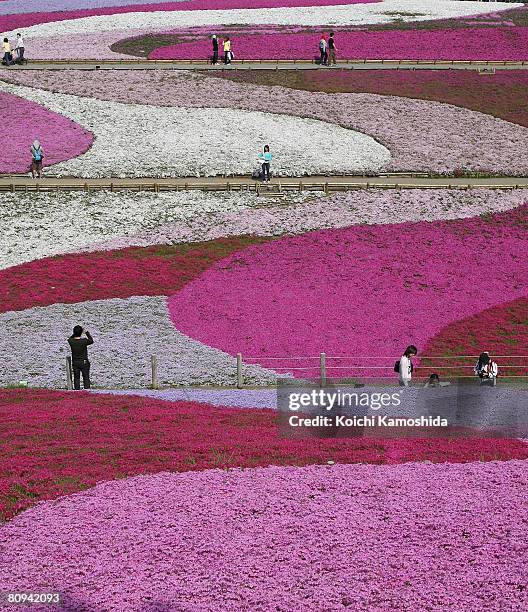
<point>24,20</point>
<point>24,121</point>
<point>57,443</point>
<point>356,537</point>
<point>500,44</point>
<point>365,291</point>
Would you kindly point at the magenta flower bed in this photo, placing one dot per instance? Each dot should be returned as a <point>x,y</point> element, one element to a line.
<point>365,291</point>
<point>469,44</point>
<point>11,22</point>
<point>356,537</point>
<point>24,121</point>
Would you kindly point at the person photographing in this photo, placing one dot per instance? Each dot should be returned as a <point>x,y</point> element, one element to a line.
<point>80,362</point>
<point>487,370</point>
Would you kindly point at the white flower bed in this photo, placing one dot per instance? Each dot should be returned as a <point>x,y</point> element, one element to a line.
<point>126,333</point>
<point>136,141</point>
<point>420,135</point>
<point>36,226</point>
<point>371,207</point>
<point>354,14</point>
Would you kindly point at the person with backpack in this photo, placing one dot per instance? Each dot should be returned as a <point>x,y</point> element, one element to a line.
<point>323,50</point>
<point>404,366</point>
<point>227,51</point>
<point>37,155</point>
<point>215,50</point>
<point>19,48</point>
<point>265,159</point>
<point>332,50</point>
<point>486,369</point>
<point>8,56</point>
<point>79,350</point>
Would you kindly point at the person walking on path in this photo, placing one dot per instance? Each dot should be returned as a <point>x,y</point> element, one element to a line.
<point>486,369</point>
<point>19,48</point>
<point>37,155</point>
<point>215,50</point>
<point>80,363</point>
<point>266,158</point>
<point>8,56</point>
<point>404,367</point>
<point>227,51</point>
<point>332,50</point>
<point>323,50</point>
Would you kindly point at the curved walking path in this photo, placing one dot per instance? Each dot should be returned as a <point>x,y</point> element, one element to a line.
<point>244,183</point>
<point>249,64</point>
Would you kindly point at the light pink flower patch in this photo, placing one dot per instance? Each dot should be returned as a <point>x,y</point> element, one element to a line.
<point>355,291</point>
<point>345,537</point>
<point>501,43</point>
<point>24,121</point>
<point>69,9</point>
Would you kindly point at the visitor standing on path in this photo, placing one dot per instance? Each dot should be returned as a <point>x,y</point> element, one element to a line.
<point>487,370</point>
<point>80,363</point>
<point>331,50</point>
<point>404,367</point>
<point>227,51</point>
<point>266,158</point>
<point>323,50</point>
<point>19,48</point>
<point>215,49</point>
<point>37,155</point>
<point>8,56</point>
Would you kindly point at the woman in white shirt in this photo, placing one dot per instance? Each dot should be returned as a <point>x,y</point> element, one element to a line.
<point>405,368</point>
<point>19,48</point>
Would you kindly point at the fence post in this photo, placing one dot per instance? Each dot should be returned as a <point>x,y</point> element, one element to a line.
<point>154,370</point>
<point>69,384</point>
<point>240,380</point>
<point>322,367</point>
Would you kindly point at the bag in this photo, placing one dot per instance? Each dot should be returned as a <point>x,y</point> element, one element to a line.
<point>37,155</point>
<point>231,55</point>
<point>397,366</point>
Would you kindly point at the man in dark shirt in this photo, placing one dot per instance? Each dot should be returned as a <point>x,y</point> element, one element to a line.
<point>79,349</point>
<point>215,49</point>
<point>331,50</point>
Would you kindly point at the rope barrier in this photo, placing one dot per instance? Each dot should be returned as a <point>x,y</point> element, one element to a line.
<point>393,358</point>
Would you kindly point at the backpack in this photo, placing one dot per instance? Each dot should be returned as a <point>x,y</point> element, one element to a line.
<point>37,154</point>
<point>397,366</point>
